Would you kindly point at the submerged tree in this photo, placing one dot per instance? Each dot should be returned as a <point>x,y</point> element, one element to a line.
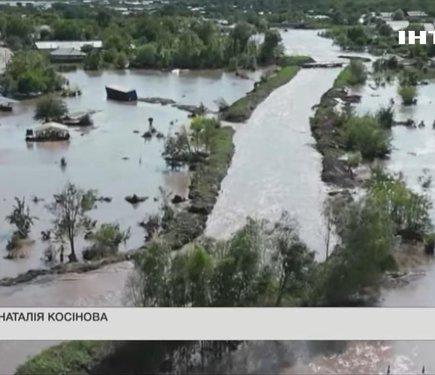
<point>408,94</point>
<point>21,218</point>
<point>358,72</point>
<point>70,209</point>
<point>367,236</point>
<point>106,241</point>
<point>50,108</point>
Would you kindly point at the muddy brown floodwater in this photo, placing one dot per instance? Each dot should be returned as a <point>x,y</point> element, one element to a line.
<point>109,156</point>
<point>275,168</point>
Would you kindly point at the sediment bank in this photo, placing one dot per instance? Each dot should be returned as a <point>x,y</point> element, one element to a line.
<point>242,109</point>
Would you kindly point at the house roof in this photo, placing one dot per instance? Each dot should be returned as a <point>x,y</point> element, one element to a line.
<point>53,44</point>
<point>416,13</point>
<point>119,88</point>
<point>52,125</point>
<point>67,52</point>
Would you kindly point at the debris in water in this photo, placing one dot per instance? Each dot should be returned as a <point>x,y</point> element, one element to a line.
<point>135,199</point>
<point>63,163</point>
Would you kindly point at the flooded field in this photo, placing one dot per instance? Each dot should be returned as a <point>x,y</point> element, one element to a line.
<point>413,155</point>
<point>108,156</point>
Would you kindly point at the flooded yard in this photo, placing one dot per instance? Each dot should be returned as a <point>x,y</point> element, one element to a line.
<point>109,156</point>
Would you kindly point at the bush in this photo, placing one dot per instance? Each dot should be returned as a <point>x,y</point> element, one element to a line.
<point>408,94</point>
<point>69,357</point>
<point>364,134</point>
<point>364,254</point>
<point>385,117</point>
<point>408,210</point>
<point>262,264</point>
<point>50,108</point>
<point>106,241</point>
<point>146,56</point>
<point>354,74</point>
<point>30,73</point>
<point>21,218</point>
<point>93,61</point>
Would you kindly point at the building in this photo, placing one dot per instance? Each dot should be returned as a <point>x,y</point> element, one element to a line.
<point>121,94</point>
<point>67,55</point>
<point>386,16</point>
<point>51,131</point>
<point>416,14</point>
<point>77,45</point>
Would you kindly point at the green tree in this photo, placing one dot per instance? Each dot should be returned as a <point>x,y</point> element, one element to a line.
<point>295,262</point>
<point>240,36</point>
<point>50,108</point>
<point>103,17</point>
<point>93,61</point>
<point>105,241</point>
<point>29,72</point>
<point>398,15</point>
<point>408,210</point>
<point>364,134</point>
<point>362,257</point>
<point>21,218</point>
<point>121,60</point>
<point>151,286</point>
<point>385,117</point>
<point>358,72</point>
<point>67,30</point>
<point>408,94</point>
<point>271,48</point>
<point>146,56</point>
<point>70,208</point>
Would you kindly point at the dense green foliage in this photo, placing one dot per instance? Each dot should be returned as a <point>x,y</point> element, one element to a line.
<point>261,265</point>
<point>363,255</point>
<point>408,210</point>
<point>21,218</point>
<point>143,40</point>
<point>365,134</point>
<point>70,208</point>
<point>354,74</point>
<point>29,73</point>
<point>49,108</point>
<point>241,109</point>
<point>408,94</point>
<point>105,241</point>
<point>65,358</point>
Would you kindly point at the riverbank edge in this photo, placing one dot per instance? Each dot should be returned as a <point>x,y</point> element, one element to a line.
<point>336,172</point>
<point>329,141</point>
<point>242,109</point>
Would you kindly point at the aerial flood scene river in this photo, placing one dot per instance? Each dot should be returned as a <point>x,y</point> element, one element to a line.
<point>196,156</point>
